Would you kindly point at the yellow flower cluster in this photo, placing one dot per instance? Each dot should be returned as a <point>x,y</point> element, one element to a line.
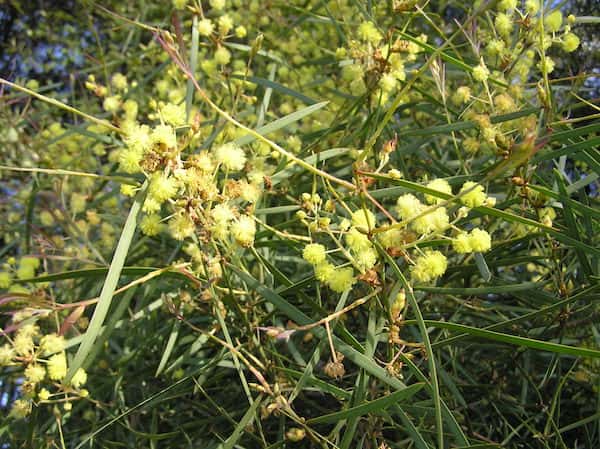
<point>429,266</point>
<point>339,279</point>
<point>478,240</point>
<point>44,362</point>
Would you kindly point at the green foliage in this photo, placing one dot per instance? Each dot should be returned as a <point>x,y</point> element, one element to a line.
<point>333,224</point>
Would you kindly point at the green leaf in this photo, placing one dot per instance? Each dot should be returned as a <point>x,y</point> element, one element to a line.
<point>240,428</point>
<point>276,87</point>
<point>312,160</point>
<point>281,123</point>
<point>513,339</point>
<point>482,266</point>
<point>368,407</point>
<point>110,284</point>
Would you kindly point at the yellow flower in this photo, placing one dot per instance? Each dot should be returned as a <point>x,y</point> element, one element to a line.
<point>43,395</point>
<point>23,342</point>
<point>368,32</point>
<point>532,6</point>
<point>504,24</point>
<point>29,261</point>
<point>357,241</point>
<point>231,157</point>
<point>162,187</point>
<point>435,221</point>
<point>553,21</point>
<point>363,218</point>
<point>173,114</point>
<point>495,47</point>
<point>462,95</point>
<point>130,107</point>
<point>480,240</point>
<point>20,408</point>
<point>225,24</point>
<point>6,355</point>
<point>408,206</point>
<point>78,202</point>
<point>570,42</point>
<point>504,103</point>
<point>35,373</point>
<point>164,135</point>
<point>112,104</point>
<point>57,366</point>
<point>314,253</point>
<point>476,196</point>
<point>250,192</point>
<point>129,159</point>
<point>392,238</point>
<point>341,279</point>
<point>462,243</point>
<point>240,31</point>
<point>151,205</point>
<point>181,226</point>
<point>5,279</point>
<point>52,343</point>
<point>222,56</point>
<point>295,434</point>
<point>119,81</point>
<point>399,304</point>
<point>324,271</point>
<point>365,259</point>
<point>505,5</point>
<point>79,378</point>
<point>217,4</point>
<point>151,225</point>
<point>222,214</point>
<point>441,185</point>
<point>244,230</point>
<point>138,138</point>
<point>205,27</point>
<point>481,72</point>
<point>429,266</point>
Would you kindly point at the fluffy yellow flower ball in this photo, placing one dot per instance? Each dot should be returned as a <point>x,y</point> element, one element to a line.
<point>79,378</point>
<point>151,225</point>
<point>408,206</point>
<point>481,72</point>
<point>324,271</point>
<point>367,31</point>
<point>244,230</point>
<point>222,56</point>
<point>435,221</point>
<point>5,279</point>
<point>429,266</point>
<point>52,343</point>
<point>231,156</point>
<point>341,279</point>
<point>205,27</point>
<point>570,42</point>
<point>441,185</point>
<point>553,21</point>
<point>314,253</point>
<point>480,240</point>
<point>57,366</point>
<point>181,226</point>
<point>6,355</point>
<point>162,187</point>
<point>363,218</point>
<point>35,373</point>
<point>475,197</point>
